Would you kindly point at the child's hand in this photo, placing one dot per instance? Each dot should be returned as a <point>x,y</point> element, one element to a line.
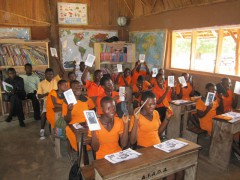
<point>125,118</point>
<point>169,114</point>
<point>70,107</point>
<point>116,97</point>
<point>46,94</point>
<point>136,115</point>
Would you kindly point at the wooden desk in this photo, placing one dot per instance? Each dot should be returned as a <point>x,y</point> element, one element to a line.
<point>152,164</point>
<point>174,125</point>
<point>221,144</point>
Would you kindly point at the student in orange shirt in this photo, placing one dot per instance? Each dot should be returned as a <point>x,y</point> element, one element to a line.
<point>153,80</point>
<point>71,77</point>
<point>54,101</point>
<point>108,87</point>
<point>106,140</point>
<point>74,113</point>
<point>93,87</point>
<point>137,71</point>
<point>185,92</point>
<point>137,90</point>
<point>206,113</point>
<point>124,79</point>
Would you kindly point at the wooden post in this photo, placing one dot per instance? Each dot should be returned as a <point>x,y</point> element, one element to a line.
<point>237,67</point>
<point>193,50</point>
<point>219,51</point>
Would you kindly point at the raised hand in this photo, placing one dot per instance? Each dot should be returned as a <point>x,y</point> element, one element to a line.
<point>125,118</point>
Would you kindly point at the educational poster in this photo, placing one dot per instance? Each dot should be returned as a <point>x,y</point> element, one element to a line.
<point>15,33</point>
<point>152,44</point>
<point>72,13</point>
<point>76,44</point>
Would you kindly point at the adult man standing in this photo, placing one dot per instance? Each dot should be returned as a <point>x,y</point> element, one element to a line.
<point>31,82</point>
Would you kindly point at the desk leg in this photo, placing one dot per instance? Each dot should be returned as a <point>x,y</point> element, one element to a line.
<point>191,173</point>
<point>173,128</point>
<point>80,151</point>
<point>221,144</point>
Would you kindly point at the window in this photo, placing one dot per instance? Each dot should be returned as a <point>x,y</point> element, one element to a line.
<point>207,50</point>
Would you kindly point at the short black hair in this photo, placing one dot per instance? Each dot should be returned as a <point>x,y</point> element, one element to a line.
<point>81,63</point>
<point>183,74</point>
<point>127,69</point>
<point>61,82</point>
<point>208,85</point>
<point>97,71</point>
<point>104,79</point>
<point>70,73</point>
<point>48,70</point>
<point>28,65</point>
<point>105,99</point>
<point>147,94</point>
<point>159,74</point>
<point>224,79</point>
<point>140,79</point>
<point>11,69</point>
<point>74,82</point>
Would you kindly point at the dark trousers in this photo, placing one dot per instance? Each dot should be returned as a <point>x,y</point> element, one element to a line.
<point>35,103</point>
<point>16,108</point>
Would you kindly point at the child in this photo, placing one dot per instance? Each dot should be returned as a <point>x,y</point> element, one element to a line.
<point>74,113</point>
<point>206,113</point>
<point>108,87</point>
<point>54,101</point>
<point>185,92</point>
<point>137,71</point>
<point>71,77</point>
<point>80,72</point>
<point>93,87</point>
<point>124,79</point>
<point>106,140</point>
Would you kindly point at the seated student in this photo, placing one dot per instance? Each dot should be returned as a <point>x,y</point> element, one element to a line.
<point>71,77</point>
<point>153,80</point>
<point>106,140</point>
<point>206,113</point>
<point>138,89</point>
<point>185,92</point>
<point>44,87</point>
<point>108,87</point>
<point>124,79</point>
<point>15,96</point>
<point>137,71</point>
<point>93,87</point>
<point>54,101</point>
<point>161,91</point>
<point>31,82</point>
<point>74,113</point>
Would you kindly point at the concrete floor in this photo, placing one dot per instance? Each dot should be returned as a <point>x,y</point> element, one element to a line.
<point>24,157</point>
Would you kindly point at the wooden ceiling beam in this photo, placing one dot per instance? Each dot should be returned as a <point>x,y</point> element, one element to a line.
<point>233,36</point>
<point>128,7</point>
<point>153,6</point>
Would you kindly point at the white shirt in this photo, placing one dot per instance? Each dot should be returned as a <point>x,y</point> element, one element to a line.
<point>79,75</point>
<point>30,82</point>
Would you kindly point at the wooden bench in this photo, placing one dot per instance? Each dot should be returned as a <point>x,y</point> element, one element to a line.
<point>87,172</point>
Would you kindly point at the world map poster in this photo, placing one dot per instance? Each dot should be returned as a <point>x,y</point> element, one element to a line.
<point>76,44</point>
<point>152,44</point>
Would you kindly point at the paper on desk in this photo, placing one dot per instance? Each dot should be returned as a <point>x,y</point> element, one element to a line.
<point>171,145</point>
<point>77,126</point>
<point>234,115</point>
<point>120,156</point>
<point>180,101</point>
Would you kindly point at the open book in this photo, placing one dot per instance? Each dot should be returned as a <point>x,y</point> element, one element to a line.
<point>170,145</point>
<point>70,97</point>
<point>124,155</point>
<point>7,87</point>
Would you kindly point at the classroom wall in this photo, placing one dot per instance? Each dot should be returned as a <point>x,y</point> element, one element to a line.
<point>220,14</point>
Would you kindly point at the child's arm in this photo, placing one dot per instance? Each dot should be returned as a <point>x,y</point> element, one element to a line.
<point>147,69</point>
<point>56,105</point>
<point>95,142</point>
<point>201,114</point>
<point>160,100</point>
<point>68,116</point>
<point>61,70</point>
<point>134,132</point>
<point>164,124</point>
<point>136,67</point>
<point>117,78</point>
<point>40,96</point>
<point>84,75</point>
<point>124,136</point>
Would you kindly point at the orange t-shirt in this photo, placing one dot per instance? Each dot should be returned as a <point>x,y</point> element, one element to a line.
<point>227,101</point>
<point>49,107</point>
<point>136,74</point>
<point>77,117</point>
<point>206,121</point>
<point>135,89</point>
<point>108,140</point>
<point>93,89</point>
<point>121,81</point>
<point>159,93</point>
<point>99,110</point>
<point>68,84</point>
<point>153,81</point>
<point>185,91</point>
<point>147,130</point>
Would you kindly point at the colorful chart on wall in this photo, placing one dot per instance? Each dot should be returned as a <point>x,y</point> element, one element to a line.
<point>16,32</point>
<point>72,13</point>
<point>76,44</point>
<point>152,44</point>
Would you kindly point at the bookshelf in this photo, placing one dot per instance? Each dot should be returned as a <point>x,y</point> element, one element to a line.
<point>16,53</point>
<point>108,55</point>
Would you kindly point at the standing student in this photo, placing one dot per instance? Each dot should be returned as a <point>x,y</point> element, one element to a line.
<point>31,82</point>
<point>106,140</point>
<point>54,101</point>
<point>108,87</point>
<point>79,72</point>
<point>15,96</point>
<point>185,92</point>
<point>93,87</point>
<point>124,79</point>
<point>137,71</point>
<point>44,87</point>
<point>74,113</point>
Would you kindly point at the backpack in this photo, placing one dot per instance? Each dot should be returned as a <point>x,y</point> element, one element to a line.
<point>60,128</point>
<point>75,173</point>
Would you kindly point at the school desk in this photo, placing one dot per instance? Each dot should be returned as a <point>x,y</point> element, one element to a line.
<point>174,126</point>
<point>152,164</point>
<point>221,144</point>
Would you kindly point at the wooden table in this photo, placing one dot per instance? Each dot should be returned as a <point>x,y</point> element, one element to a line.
<point>152,164</point>
<point>174,125</point>
<point>221,144</point>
